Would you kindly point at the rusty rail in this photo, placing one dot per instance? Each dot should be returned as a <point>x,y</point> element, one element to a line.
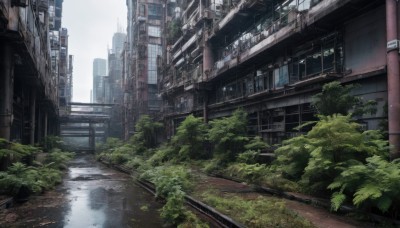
<point>210,212</point>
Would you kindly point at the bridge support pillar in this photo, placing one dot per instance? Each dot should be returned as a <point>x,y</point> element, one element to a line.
<point>92,137</point>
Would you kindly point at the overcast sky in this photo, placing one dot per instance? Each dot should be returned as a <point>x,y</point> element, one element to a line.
<point>91,25</point>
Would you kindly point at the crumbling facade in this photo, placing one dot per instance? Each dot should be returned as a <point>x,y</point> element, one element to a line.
<point>271,57</point>
<point>146,20</point>
<point>29,75</point>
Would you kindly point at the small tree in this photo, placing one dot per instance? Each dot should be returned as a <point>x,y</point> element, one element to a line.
<point>229,135</point>
<point>337,99</point>
<point>337,142</point>
<point>190,138</point>
<point>146,132</point>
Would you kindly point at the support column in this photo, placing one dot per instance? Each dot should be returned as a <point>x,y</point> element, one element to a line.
<point>45,124</point>
<point>205,107</point>
<point>92,137</point>
<point>208,59</point>
<point>32,107</point>
<point>6,90</point>
<point>393,80</point>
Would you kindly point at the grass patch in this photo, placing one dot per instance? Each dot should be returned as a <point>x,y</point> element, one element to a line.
<point>255,212</point>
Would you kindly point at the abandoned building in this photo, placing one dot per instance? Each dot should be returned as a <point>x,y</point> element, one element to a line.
<point>270,57</point>
<point>35,69</point>
<point>146,20</point>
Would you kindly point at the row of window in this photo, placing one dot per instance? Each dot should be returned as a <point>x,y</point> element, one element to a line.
<point>153,51</point>
<point>154,11</point>
<point>324,58</point>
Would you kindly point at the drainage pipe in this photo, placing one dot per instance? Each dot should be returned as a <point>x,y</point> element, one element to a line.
<point>393,79</point>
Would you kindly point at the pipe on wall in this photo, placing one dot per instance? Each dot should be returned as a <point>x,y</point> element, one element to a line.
<point>393,80</point>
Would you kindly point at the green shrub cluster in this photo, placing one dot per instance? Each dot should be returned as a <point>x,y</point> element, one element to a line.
<point>171,184</point>
<point>35,179</point>
<point>29,175</point>
<point>337,155</point>
<point>14,152</point>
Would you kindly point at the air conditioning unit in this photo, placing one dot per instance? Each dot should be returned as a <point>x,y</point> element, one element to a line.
<point>19,3</point>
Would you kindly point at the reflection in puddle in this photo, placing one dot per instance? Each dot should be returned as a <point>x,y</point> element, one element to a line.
<point>102,197</point>
<point>82,215</point>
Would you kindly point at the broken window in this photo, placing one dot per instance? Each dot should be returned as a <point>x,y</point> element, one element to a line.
<point>281,76</point>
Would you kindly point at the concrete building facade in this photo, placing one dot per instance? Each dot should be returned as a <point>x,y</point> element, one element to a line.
<point>271,57</point>
<point>29,69</point>
<point>145,47</point>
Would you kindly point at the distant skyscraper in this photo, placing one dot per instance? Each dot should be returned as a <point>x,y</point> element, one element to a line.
<point>118,42</point>
<point>99,71</point>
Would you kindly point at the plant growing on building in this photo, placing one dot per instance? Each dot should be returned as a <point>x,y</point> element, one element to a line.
<point>174,31</point>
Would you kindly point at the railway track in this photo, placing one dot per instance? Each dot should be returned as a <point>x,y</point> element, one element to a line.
<point>212,214</point>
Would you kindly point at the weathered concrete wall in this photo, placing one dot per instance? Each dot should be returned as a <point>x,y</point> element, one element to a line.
<point>365,42</point>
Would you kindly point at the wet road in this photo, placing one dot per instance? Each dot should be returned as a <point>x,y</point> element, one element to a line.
<point>91,195</point>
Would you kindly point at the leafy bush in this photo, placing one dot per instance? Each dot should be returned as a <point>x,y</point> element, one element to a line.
<point>192,221</point>
<point>35,179</point>
<point>248,157</point>
<point>52,142</point>
<point>229,135</point>
<point>134,163</point>
<point>173,211</point>
<point>163,154</point>
<point>337,99</point>
<point>213,166</point>
<point>253,173</point>
<point>58,159</point>
<point>167,178</point>
<point>374,184</point>
<point>171,183</point>
<point>293,156</point>
<point>146,133</point>
<point>334,143</point>
<point>190,138</point>
<point>110,144</point>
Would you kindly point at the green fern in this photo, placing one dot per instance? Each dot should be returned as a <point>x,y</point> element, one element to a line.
<point>377,183</point>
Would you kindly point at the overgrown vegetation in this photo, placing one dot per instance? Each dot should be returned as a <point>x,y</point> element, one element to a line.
<point>26,175</point>
<point>258,212</point>
<point>335,158</point>
<point>337,99</point>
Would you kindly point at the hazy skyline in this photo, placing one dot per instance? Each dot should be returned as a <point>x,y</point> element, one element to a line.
<point>91,25</point>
